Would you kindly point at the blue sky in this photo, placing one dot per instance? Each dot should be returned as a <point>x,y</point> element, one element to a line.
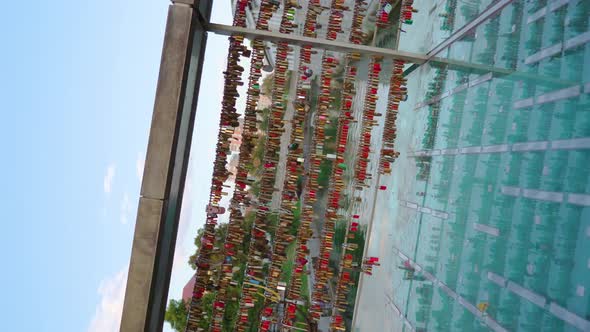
<point>77,83</point>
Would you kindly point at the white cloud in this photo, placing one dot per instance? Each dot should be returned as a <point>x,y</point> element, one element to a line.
<point>108,179</point>
<point>125,209</point>
<point>107,316</point>
<point>139,165</point>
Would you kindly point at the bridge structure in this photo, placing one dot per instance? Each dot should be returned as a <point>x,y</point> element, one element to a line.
<point>171,132</point>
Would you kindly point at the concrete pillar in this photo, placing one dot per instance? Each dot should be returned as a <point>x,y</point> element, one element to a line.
<point>165,167</point>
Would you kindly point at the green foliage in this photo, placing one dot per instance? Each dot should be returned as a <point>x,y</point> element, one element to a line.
<point>255,165</point>
<point>325,172</point>
<point>248,223</point>
<point>350,298</point>
<point>287,268</point>
<point>302,316</point>
<point>305,286</point>
<point>220,233</point>
<point>272,220</point>
<point>253,316</point>
<point>294,228</point>
<point>339,234</point>
<point>265,119</point>
<point>230,316</point>
<point>192,259</point>
<point>359,239</point>
<point>207,305</point>
<point>267,81</point>
<point>331,129</point>
<point>232,303</point>
<point>255,188</point>
<point>330,142</point>
<point>338,74</point>
<point>299,181</point>
<point>345,202</point>
<point>176,315</point>
<point>288,78</point>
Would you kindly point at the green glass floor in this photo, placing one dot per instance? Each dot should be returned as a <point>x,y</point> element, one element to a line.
<point>491,199</point>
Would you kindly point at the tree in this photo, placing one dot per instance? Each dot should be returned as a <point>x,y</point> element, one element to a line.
<point>176,315</point>
<point>220,234</point>
<point>192,260</point>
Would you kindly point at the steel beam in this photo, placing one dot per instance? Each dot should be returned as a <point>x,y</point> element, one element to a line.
<point>331,45</point>
<point>344,47</point>
<point>165,167</point>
